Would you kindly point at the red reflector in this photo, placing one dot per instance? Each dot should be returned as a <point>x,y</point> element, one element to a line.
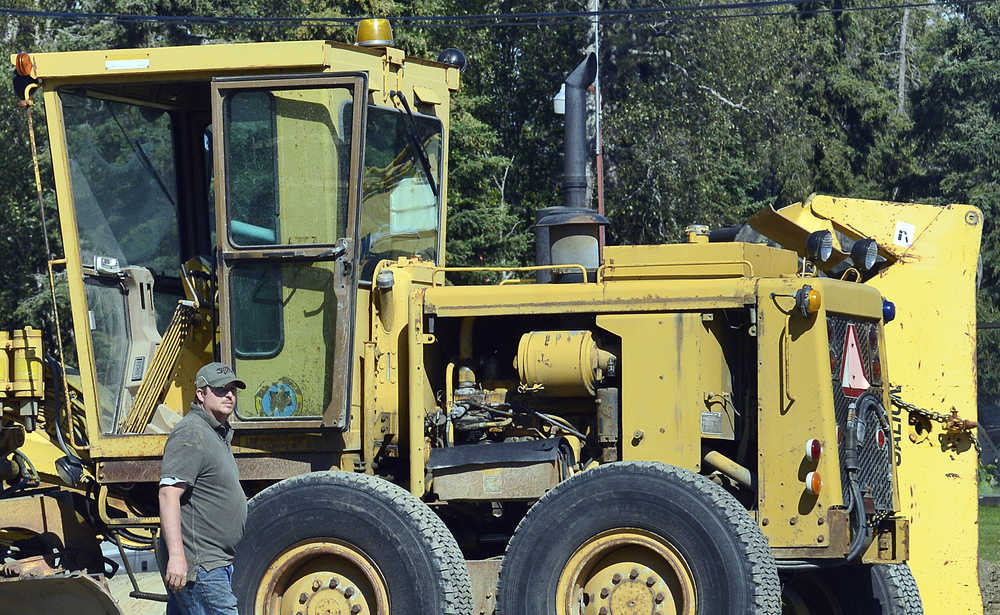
<point>876,369</point>
<point>813,449</point>
<point>840,435</point>
<point>881,438</point>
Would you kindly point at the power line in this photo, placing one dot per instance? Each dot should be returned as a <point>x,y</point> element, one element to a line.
<point>762,8</point>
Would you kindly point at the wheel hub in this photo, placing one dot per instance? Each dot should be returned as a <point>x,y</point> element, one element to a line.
<point>626,572</point>
<point>322,578</point>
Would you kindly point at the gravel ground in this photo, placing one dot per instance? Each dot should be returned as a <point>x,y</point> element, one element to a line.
<point>148,581</point>
<point>989,584</point>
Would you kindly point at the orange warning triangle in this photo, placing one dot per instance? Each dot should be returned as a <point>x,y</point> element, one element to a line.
<point>852,374</point>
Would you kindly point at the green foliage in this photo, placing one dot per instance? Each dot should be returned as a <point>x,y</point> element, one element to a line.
<point>704,120</point>
<point>989,533</point>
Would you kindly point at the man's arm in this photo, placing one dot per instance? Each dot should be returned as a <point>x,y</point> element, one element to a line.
<point>170,524</point>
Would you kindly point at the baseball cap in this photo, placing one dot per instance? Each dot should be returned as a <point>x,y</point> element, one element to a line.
<point>217,375</point>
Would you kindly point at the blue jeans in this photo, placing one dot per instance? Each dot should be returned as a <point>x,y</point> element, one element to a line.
<point>211,593</point>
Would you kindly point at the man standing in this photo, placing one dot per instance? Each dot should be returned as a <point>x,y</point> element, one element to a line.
<point>202,505</point>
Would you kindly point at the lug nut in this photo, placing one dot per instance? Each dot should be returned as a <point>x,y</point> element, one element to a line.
<point>348,592</point>
<point>659,598</point>
<point>355,609</point>
<point>604,592</point>
<point>334,582</point>
<point>602,611</point>
<point>616,579</point>
<point>303,598</point>
<point>315,585</point>
<point>651,581</point>
<point>633,573</point>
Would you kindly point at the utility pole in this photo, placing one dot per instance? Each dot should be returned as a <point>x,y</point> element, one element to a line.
<point>595,7</point>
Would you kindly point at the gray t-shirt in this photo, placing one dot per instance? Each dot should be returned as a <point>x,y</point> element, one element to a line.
<point>214,507</point>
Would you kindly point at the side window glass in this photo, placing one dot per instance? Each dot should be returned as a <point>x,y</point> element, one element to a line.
<point>287,166</point>
<point>400,214</point>
<point>253,200</point>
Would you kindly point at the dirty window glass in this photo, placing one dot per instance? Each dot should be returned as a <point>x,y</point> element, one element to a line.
<point>121,160</point>
<point>400,214</point>
<point>284,337</point>
<point>287,165</point>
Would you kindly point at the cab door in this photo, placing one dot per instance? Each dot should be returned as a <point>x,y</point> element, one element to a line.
<point>287,169</point>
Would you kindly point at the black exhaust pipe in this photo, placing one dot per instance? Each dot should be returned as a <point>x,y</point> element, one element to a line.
<point>567,234</point>
<point>575,161</point>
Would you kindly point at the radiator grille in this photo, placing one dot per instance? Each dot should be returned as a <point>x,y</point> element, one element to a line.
<point>875,454</point>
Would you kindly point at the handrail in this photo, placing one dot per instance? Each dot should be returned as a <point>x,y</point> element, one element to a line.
<point>583,270</point>
<point>603,269</point>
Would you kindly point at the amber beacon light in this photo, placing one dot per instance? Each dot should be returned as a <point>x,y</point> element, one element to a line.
<point>374,33</point>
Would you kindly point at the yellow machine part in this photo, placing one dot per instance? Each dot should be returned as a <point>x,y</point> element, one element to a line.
<point>931,355</point>
<point>562,363</point>
<point>21,364</point>
<point>78,594</point>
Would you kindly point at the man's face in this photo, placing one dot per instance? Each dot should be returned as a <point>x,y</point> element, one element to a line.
<point>220,401</point>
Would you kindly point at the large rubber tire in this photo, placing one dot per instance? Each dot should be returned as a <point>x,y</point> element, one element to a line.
<point>312,536</point>
<point>852,590</point>
<point>886,589</point>
<point>624,535</point>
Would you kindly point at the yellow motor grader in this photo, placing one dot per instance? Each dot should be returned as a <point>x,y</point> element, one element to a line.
<point>776,418</point>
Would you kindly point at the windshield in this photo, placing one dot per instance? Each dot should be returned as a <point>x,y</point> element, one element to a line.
<point>121,160</point>
<point>400,214</point>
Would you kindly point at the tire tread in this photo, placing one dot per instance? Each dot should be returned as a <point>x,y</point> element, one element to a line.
<point>454,582</point>
<point>767,595</point>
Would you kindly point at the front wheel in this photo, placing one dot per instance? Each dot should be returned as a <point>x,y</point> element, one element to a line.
<point>337,542</point>
<point>638,537</point>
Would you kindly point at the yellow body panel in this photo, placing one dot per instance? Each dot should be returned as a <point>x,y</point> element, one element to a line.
<point>932,356</point>
<point>932,254</point>
<point>794,352</point>
<point>659,350</point>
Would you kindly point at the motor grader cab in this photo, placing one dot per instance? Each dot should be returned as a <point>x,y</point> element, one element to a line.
<point>654,429</point>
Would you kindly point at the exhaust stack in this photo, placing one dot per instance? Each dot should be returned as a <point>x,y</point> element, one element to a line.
<point>567,235</point>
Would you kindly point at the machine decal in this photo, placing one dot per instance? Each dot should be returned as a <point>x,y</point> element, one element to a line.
<point>904,235</point>
<point>852,376</point>
<point>278,399</point>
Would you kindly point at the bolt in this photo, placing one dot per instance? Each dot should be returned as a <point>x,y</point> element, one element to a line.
<point>602,611</point>
<point>604,592</point>
<point>616,579</point>
<point>651,581</point>
<point>659,598</point>
<point>792,521</point>
<point>315,585</point>
<point>819,538</point>
<point>303,598</point>
<point>820,521</point>
<point>633,573</point>
<point>334,582</point>
<point>638,434</point>
<point>355,609</point>
<point>348,592</point>
<point>764,521</point>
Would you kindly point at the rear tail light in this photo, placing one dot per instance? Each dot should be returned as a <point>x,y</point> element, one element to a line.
<point>814,483</point>
<point>814,448</point>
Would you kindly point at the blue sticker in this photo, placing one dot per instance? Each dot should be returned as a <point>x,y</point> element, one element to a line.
<point>278,399</point>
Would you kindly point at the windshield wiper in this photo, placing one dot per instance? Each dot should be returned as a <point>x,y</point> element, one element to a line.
<point>143,158</point>
<point>411,132</point>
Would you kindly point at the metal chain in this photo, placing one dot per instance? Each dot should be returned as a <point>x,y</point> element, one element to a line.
<point>951,421</point>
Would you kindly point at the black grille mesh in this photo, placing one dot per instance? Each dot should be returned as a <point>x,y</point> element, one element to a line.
<point>875,461</point>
